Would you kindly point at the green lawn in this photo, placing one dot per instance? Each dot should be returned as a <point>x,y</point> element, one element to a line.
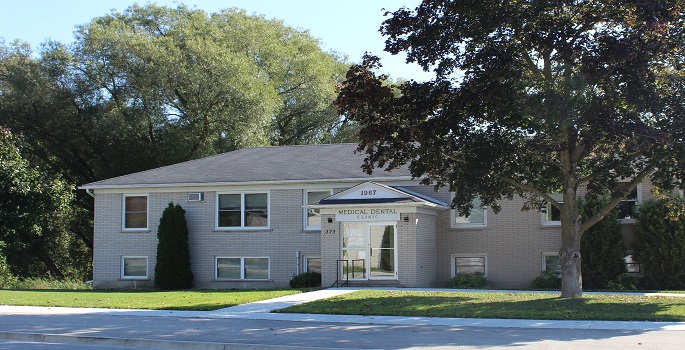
<point>138,299</point>
<point>499,305</point>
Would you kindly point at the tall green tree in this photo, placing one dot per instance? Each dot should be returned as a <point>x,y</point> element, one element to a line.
<point>530,98</point>
<point>172,270</point>
<point>660,232</point>
<point>34,214</point>
<point>602,246</point>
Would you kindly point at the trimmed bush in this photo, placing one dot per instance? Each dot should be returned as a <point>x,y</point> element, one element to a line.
<point>546,281</point>
<point>172,270</point>
<point>601,246</point>
<point>660,231</point>
<point>468,281</point>
<point>310,279</point>
<point>624,282</point>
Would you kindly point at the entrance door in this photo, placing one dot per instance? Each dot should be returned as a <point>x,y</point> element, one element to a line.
<point>368,250</point>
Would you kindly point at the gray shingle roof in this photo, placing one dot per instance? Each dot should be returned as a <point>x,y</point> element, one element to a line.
<point>304,163</point>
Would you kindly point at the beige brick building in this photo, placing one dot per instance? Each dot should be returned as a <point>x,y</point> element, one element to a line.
<point>259,216</point>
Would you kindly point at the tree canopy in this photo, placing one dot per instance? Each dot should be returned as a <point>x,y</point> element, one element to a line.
<point>530,98</point>
<point>34,213</point>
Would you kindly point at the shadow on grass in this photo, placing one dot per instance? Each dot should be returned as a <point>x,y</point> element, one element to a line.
<point>514,306</point>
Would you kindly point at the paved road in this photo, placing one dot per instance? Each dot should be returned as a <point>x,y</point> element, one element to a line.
<point>253,327</point>
<point>211,333</point>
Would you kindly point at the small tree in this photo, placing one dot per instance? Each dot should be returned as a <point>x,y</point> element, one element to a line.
<point>602,246</point>
<point>661,242</point>
<point>173,256</point>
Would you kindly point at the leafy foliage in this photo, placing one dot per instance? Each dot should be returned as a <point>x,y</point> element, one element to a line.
<point>154,85</point>
<point>172,270</point>
<point>660,250</point>
<point>34,217</point>
<point>546,281</point>
<point>624,282</point>
<point>530,98</point>
<point>468,281</point>
<point>309,279</point>
<point>602,247</point>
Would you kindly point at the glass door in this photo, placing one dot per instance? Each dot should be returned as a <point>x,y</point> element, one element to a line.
<point>382,257</point>
<point>368,250</point>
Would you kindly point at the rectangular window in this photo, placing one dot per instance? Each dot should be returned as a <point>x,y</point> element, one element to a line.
<point>313,264</point>
<point>477,218</point>
<point>242,268</point>
<point>628,207</point>
<point>552,215</point>
<point>243,210</point>
<point>551,263</point>
<point>312,217</point>
<point>469,264</point>
<point>134,267</point>
<point>632,266</point>
<point>135,212</point>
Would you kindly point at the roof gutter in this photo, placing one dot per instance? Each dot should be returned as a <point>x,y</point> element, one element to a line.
<point>247,183</point>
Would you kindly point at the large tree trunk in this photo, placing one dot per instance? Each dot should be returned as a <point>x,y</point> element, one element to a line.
<point>569,254</point>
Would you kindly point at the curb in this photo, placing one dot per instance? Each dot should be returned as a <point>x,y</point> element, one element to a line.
<point>143,343</point>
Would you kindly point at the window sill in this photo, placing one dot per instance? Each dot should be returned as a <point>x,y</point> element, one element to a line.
<point>469,227</point>
<point>136,231</point>
<point>242,229</point>
<point>550,225</point>
<point>312,230</point>
<point>134,278</point>
<point>243,280</point>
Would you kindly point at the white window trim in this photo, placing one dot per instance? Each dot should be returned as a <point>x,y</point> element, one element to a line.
<point>306,261</point>
<point>123,211</point>
<point>454,224</point>
<point>147,267</point>
<point>543,217</point>
<point>475,255</point>
<point>548,209</point>
<point>305,217</point>
<point>638,201</point>
<point>242,226</point>
<point>242,268</point>
<point>544,255</point>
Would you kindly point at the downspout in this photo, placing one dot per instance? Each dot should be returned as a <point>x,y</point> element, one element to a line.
<point>90,192</point>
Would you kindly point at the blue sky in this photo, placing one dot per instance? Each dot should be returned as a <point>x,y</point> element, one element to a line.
<point>345,26</point>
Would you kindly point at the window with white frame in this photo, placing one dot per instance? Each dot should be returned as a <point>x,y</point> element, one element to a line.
<point>134,267</point>
<point>477,218</point>
<point>469,264</point>
<point>551,216</point>
<point>632,266</point>
<point>312,217</point>
<point>628,207</point>
<point>242,268</point>
<point>312,264</point>
<point>551,262</point>
<point>243,210</point>
<point>135,212</point>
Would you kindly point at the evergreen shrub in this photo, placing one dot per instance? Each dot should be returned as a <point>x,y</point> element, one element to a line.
<point>474,280</point>
<point>660,231</point>
<point>601,247</point>
<point>172,270</point>
<point>310,279</point>
<point>624,282</point>
<point>547,281</point>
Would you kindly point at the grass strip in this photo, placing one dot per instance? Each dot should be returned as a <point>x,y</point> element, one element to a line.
<point>197,300</point>
<point>499,305</point>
